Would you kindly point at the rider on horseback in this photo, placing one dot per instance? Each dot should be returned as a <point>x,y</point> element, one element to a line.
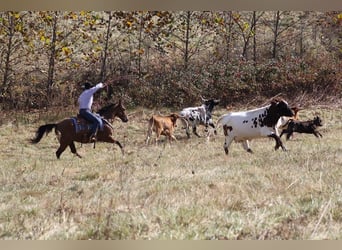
<point>85,102</point>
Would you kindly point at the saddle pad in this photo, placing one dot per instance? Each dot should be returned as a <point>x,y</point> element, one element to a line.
<point>82,124</point>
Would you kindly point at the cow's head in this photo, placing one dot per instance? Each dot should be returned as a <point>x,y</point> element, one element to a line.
<point>210,103</point>
<point>282,108</point>
<point>174,118</point>
<point>277,109</point>
<point>318,121</point>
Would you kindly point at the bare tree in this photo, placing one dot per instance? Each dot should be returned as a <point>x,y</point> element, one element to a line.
<point>52,56</point>
<point>11,28</point>
<point>276,34</point>
<point>105,52</point>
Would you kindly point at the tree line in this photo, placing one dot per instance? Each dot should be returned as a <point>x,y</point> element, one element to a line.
<point>163,58</point>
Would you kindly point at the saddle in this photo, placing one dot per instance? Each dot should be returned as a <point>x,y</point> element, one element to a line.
<point>82,125</point>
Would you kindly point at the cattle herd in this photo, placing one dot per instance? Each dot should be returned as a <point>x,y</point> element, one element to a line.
<point>272,120</point>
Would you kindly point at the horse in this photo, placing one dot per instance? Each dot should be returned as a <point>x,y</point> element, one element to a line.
<point>67,134</point>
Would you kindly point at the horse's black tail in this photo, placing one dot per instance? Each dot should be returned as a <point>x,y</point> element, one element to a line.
<point>40,132</point>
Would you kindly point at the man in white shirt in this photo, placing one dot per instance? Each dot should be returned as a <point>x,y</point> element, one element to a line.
<point>85,102</point>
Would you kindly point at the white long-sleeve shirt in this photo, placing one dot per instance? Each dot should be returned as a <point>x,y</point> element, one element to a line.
<point>85,100</point>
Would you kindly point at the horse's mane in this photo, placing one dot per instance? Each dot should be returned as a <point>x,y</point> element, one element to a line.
<point>106,108</point>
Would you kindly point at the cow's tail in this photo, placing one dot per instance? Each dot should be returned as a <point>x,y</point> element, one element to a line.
<point>44,129</point>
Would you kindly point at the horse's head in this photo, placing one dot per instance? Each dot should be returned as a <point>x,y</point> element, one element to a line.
<point>114,110</point>
<point>120,111</point>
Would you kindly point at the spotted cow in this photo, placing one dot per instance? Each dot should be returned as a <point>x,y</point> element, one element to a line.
<point>201,115</point>
<point>247,125</point>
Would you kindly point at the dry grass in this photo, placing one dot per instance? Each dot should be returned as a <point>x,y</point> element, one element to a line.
<point>189,190</point>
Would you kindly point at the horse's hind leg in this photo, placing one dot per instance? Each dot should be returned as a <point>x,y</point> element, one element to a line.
<point>61,149</point>
<point>73,149</point>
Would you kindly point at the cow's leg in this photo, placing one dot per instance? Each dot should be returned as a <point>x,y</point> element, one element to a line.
<point>73,149</point>
<point>227,142</point>
<point>317,134</point>
<point>172,137</point>
<point>195,131</point>
<point>211,124</point>
<point>245,145</point>
<point>283,132</point>
<point>148,136</point>
<point>228,139</point>
<point>186,127</point>
<point>188,132</point>
<point>278,142</point>
<point>158,133</point>
<point>290,129</point>
<point>289,134</point>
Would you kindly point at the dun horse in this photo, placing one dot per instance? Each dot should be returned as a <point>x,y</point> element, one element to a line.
<point>72,130</point>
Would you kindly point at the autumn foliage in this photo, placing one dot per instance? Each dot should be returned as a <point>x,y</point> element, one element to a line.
<point>169,59</point>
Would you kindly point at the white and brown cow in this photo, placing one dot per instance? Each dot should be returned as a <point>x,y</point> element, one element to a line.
<point>247,125</point>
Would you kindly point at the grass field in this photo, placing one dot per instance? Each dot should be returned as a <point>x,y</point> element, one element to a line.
<point>189,190</point>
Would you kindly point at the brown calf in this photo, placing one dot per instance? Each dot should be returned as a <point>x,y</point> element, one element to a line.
<point>162,125</point>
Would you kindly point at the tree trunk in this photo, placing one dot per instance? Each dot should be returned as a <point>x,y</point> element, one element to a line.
<point>104,59</point>
<point>187,39</point>
<point>254,39</point>
<point>140,44</point>
<point>5,83</point>
<point>229,35</point>
<point>51,69</point>
<point>301,37</point>
<point>275,39</point>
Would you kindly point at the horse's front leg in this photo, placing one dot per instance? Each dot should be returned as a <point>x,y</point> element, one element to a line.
<point>112,140</point>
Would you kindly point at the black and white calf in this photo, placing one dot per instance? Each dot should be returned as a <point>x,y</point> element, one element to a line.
<point>200,115</point>
<point>247,125</point>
